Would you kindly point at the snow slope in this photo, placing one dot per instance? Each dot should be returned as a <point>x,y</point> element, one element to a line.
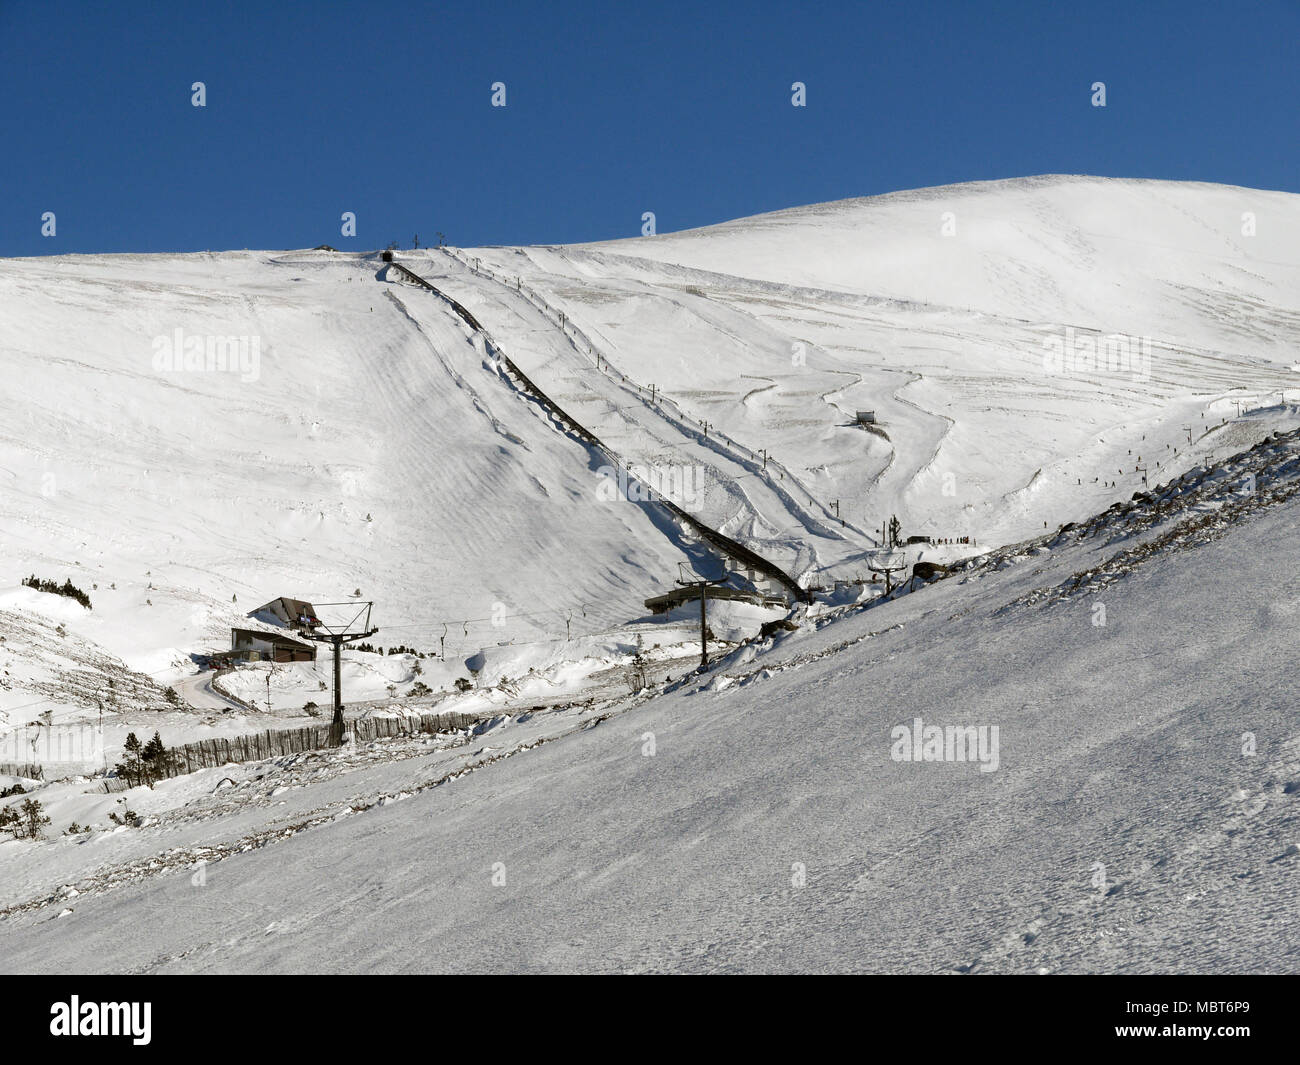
<point>777,329</point>
<point>1142,816</point>
<point>373,446</point>
<point>370,449</point>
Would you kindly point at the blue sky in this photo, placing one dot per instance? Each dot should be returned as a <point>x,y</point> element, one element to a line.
<point>683,109</point>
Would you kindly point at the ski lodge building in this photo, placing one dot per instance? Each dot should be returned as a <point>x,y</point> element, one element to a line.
<point>258,645</point>
<point>270,645</point>
<point>295,614</point>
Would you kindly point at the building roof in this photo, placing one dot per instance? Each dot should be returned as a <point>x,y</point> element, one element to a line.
<point>292,607</point>
<point>272,636</point>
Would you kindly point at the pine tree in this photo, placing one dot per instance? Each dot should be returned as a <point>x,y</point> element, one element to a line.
<point>130,767</point>
<point>156,760</point>
<point>33,818</point>
<point>152,749</point>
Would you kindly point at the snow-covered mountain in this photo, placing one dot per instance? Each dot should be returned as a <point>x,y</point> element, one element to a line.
<point>1085,388</point>
<point>961,316</point>
<point>361,436</point>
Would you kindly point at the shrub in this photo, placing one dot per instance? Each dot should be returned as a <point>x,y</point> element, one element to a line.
<point>129,817</point>
<point>26,822</point>
<point>67,588</point>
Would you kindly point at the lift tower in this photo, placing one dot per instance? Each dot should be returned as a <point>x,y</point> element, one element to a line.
<point>351,622</point>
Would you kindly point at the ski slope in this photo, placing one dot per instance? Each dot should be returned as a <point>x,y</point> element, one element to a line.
<point>376,446</point>
<point>777,329</point>
<point>372,450</point>
<point>756,819</point>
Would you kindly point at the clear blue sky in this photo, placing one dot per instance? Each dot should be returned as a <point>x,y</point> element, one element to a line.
<point>613,109</point>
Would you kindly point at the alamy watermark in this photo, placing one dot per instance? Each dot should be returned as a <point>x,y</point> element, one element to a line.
<point>208,353</point>
<point>683,485</point>
<point>945,743</point>
<point>42,744</point>
<point>1090,355</point>
<point>131,1020</point>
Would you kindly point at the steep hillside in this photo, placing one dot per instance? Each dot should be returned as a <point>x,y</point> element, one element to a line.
<point>1131,804</point>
